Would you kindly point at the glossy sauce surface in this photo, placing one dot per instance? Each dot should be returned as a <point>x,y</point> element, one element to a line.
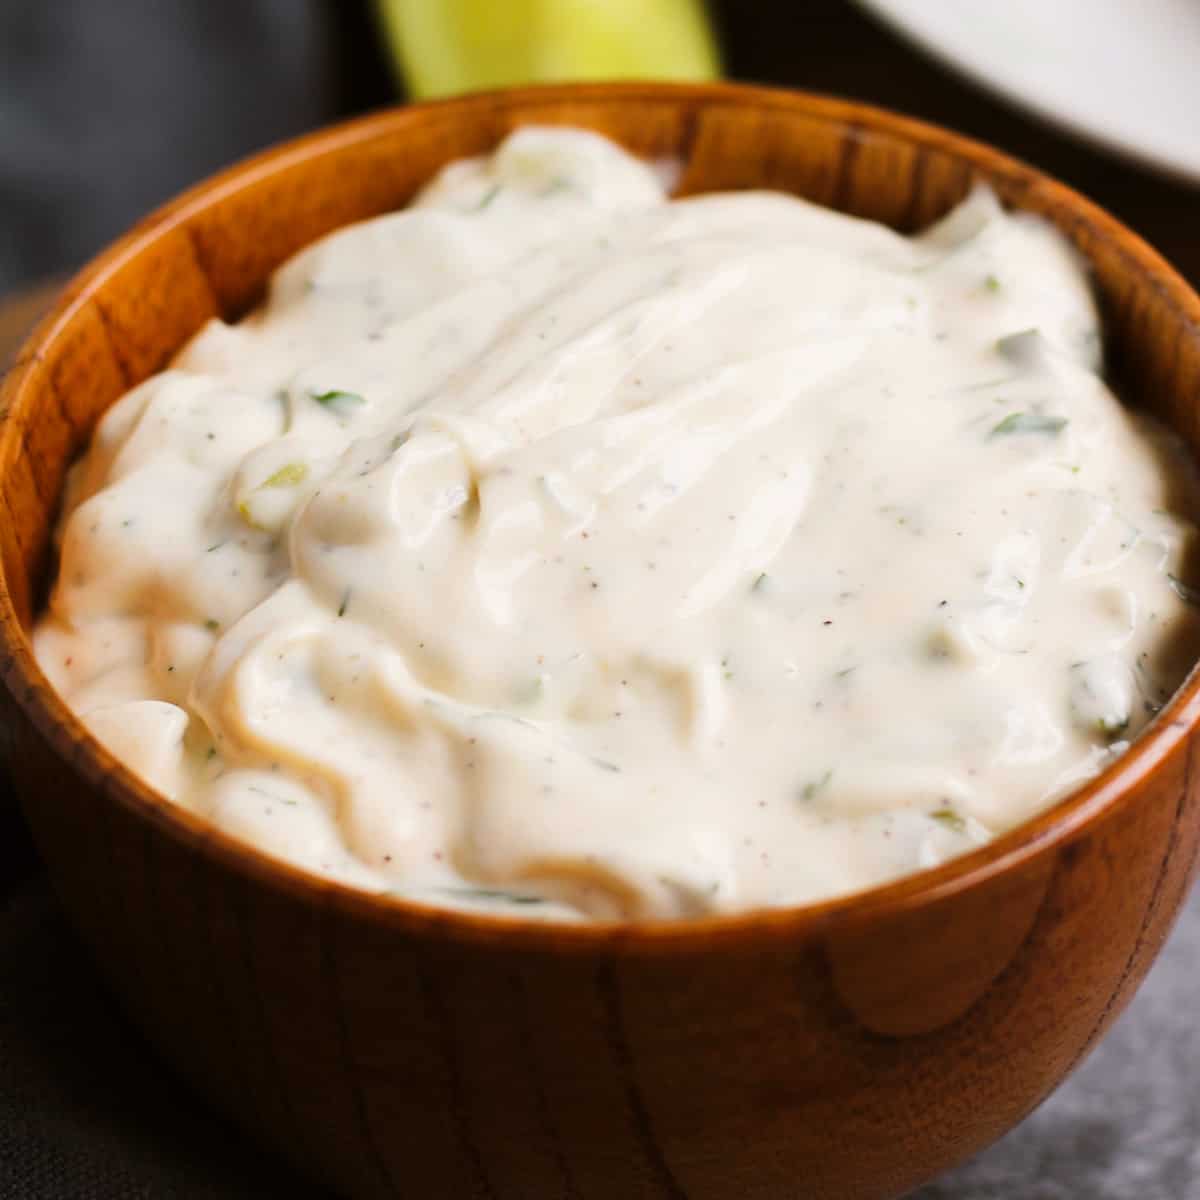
<point>554,548</point>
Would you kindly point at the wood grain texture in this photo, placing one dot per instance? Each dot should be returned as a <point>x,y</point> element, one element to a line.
<point>20,311</point>
<point>846,1051</point>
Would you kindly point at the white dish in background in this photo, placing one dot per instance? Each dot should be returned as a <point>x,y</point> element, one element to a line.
<point>1123,73</point>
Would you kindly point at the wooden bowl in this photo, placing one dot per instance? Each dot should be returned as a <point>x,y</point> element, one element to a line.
<point>846,1050</point>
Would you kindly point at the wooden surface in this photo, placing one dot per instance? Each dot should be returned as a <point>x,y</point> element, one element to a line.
<point>848,1050</point>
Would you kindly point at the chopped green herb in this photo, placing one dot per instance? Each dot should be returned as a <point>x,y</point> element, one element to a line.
<point>287,476</point>
<point>212,623</point>
<point>212,753</point>
<point>992,283</point>
<point>815,787</point>
<point>215,546</point>
<point>337,400</point>
<point>1023,348</point>
<point>488,197</point>
<point>759,583</point>
<point>272,796</point>
<point>1185,591</point>
<point>1112,727</point>
<point>244,512</point>
<point>345,602</point>
<point>1023,422</point>
<point>284,401</point>
<point>605,765</point>
<point>947,817</point>
<point>468,893</point>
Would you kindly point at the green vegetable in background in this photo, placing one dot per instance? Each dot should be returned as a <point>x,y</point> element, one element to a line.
<point>446,46</point>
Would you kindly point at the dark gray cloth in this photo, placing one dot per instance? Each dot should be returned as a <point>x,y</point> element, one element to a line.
<point>109,107</point>
<point>87,1112</point>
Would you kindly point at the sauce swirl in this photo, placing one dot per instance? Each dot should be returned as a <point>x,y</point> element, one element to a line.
<point>554,547</point>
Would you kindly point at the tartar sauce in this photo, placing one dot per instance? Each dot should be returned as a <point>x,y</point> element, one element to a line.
<point>555,548</point>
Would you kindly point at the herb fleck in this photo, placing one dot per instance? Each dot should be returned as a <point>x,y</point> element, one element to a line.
<point>488,197</point>
<point>244,512</point>
<point>1025,422</point>
<point>814,787</point>
<point>490,894</point>
<point>287,476</point>
<point>1022,348</point>
<point>285,407</point>
<point>337,400</point>
<point>1112,727</point>
<point>272,796</point>
<point>949,818</point>
<point>531,691</point>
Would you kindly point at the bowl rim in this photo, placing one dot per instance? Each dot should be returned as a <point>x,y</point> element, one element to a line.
<point>79,751</point>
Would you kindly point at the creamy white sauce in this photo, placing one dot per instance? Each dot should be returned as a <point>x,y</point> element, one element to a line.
<point>553,548</point>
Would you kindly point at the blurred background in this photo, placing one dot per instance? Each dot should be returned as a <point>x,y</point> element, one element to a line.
<point>106,109</point>
<point>109,107</point>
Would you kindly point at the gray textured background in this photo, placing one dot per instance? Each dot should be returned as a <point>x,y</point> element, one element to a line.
<point>108,107</point>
